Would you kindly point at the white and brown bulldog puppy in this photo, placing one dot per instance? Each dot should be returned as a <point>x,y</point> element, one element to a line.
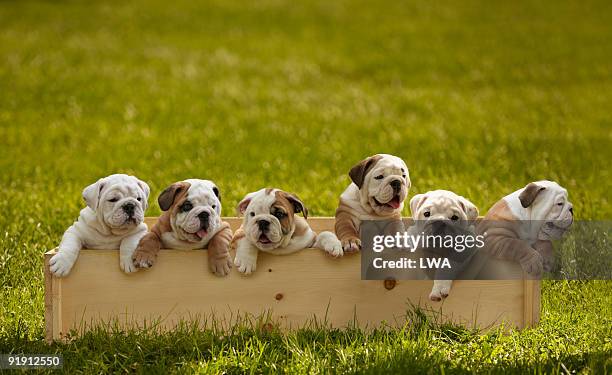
<point>433,210</point>
<point>271,224</point>
<point>521,225</point>
<point>191,220</point>
<point>112,219</point>
<point>380,186</point>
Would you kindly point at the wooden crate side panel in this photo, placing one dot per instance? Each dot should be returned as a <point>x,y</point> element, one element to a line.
<point>48,300</point>
<point>295,287</point>
<point>532,295</point>
<point>53,298</point>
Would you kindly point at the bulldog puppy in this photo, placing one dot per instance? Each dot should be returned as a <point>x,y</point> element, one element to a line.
<point>112,219</point>
<point>521,225</point>
<point>442,212</point>
<point>191,220</point>
<point>271,225</point>
<point>380,186</point>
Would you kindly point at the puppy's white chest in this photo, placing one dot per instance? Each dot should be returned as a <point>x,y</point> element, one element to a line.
<point>92,239</point>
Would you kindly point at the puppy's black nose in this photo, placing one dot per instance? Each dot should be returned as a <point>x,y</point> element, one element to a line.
<point>128,208</point>
<point>203,216</point>
<point>263,225</point>
<point>396,184</point>
<point>571,210</point>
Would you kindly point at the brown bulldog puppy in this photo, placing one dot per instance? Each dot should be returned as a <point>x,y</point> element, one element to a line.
<point>521,225</point>
<point>271,225</point>
<point>380,186</point>
<point>191,220</point>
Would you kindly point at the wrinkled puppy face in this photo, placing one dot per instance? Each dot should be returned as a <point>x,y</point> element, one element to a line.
<point>384,182</point>
<point>442,211</point>
<point>269,217</point>
<point>119,200</point>
<point>195,208</point>
<point>548,201</point>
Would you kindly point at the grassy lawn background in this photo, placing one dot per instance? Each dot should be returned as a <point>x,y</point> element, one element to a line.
<point>476,97</point>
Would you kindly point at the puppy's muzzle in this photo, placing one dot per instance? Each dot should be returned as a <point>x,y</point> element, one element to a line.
<point>443,227</point>
<point>438,227</point>
<point>396,185</point>
<point>204,219</point>
<point>263,225</point>
<point>264,228</point>
<point>129,209</point>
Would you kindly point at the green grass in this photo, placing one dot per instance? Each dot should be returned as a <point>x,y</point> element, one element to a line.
<point>477,97</point>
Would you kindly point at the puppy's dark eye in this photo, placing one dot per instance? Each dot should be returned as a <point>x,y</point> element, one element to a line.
<point>214,206</point>
<point>560,204</point>
<point>113,200</point>
<point>404,175</point>
<point>138,199</point>
<point>187,206</point>
<point>426,214</point>
<point>252,214</point>
<point>454,218</point>
<point>379,177</point>
<point>279,214</point>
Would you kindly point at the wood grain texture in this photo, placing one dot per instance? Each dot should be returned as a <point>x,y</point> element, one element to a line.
<point>294,289</point>
<point>48,299</point>
<point>532,302</point>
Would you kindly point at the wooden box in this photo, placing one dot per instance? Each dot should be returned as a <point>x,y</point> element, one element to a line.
<point>293,290</point>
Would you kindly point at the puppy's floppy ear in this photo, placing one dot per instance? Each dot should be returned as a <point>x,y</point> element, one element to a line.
<point>415,203</point>
<point>529,194</point>
<point>244,203</point>
<point>216,191</point>
<point>167,197</point>
<point>359,171</point>
<point>470,209</point>
<point>91,194</point>
<point>298,205</point>
<point>146,190</point>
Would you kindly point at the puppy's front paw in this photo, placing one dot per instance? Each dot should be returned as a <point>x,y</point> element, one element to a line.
<point>333,247</point>
<point>548,264</point>
<point>435,295</point>
<point>351,245</point>
<point>245,264</point>
<point>220,267</point>
<point>533,265</point>
<point>60,265</point>
<point>440,291</point>
<point>328,242</point>
<point>546,251</point>
<point>127,265</point>
<point>143,259</point>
